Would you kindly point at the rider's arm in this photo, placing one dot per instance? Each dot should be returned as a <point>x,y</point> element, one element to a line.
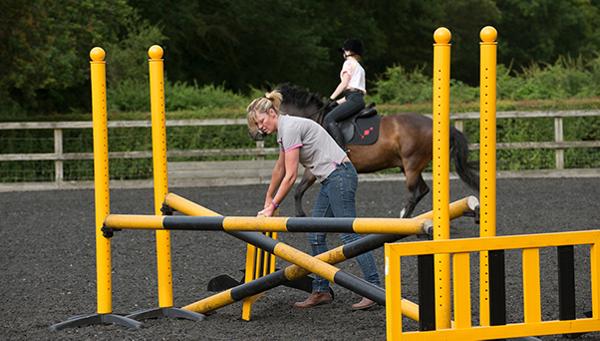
<point>341,87</point>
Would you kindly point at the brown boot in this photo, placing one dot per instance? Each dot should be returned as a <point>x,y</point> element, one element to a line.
<point>315,299</point>
<point>364,304</point>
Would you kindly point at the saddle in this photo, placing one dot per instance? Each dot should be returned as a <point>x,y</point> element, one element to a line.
<point>363,127</point>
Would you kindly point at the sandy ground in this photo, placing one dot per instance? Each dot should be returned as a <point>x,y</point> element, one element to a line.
<point>47,262</point>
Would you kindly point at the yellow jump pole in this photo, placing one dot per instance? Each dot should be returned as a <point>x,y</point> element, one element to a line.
<point>487,157</point>
<point>441,170</point>
<point>159,166</point>
<point>102,204</point>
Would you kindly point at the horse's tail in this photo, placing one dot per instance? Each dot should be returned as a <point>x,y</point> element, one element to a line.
<point>459,151</point>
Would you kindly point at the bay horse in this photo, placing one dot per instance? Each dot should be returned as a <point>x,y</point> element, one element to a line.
<point>405,141</point>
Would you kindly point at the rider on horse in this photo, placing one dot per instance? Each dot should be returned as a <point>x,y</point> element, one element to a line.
<point>352,87</point>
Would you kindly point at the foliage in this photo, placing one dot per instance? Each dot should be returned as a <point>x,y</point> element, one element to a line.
<point>45,52</point>
<point>567,78</point>
<point>243,45</point>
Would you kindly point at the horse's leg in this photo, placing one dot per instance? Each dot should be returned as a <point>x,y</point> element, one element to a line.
<point>308,179</point>
<point>417,188</point>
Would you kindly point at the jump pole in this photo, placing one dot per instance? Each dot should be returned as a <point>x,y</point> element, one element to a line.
<point>161,188</point>
<point>104,313</point>
<point>290,254</point>
<point>441,171</point>
<point>294,272</point>
<point>401,226</point>
<point>487,157</point>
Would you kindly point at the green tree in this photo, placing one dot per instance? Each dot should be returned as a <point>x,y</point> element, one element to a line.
<point>45,51</point>
<point>542,30</point>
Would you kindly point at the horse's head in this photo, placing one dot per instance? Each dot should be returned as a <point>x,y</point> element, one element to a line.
<point>296,102</point>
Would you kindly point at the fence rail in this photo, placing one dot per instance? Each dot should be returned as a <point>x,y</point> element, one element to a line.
<point>260,152</point>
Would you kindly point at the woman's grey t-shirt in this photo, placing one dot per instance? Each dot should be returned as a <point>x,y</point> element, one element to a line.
<point>318,150</point>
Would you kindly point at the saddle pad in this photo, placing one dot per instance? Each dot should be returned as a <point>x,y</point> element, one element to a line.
<point>365,130</point>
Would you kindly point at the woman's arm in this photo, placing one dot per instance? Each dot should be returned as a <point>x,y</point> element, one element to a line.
<point>291,158</point>
<point>276,176</point>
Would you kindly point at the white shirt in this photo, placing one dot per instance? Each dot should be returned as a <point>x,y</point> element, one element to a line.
<point>357,74</point>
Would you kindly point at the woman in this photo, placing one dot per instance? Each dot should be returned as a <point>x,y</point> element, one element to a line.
<point>352,87</point>
<point>304,141</point>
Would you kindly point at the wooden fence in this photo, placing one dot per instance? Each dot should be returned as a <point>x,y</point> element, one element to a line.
<point>259,152</point>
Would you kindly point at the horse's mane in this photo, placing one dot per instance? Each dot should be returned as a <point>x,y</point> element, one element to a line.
<point>298,96</point>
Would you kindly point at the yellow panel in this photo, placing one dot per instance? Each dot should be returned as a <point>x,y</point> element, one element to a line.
<point>507,331</point>
<point>393,294</point>
<point>595,277</point>
<point>462,290</point>
<point>497,243</point>
<point>531,285</point>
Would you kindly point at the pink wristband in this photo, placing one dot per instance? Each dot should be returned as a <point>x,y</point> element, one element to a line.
<point>276,205</point>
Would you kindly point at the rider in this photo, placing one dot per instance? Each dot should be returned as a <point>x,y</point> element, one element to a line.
<point>352,87</point>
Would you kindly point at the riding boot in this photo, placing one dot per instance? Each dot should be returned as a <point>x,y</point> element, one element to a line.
<point>334,130</point>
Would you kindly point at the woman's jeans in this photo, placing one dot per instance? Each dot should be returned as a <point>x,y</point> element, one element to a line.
<point>337,199</point>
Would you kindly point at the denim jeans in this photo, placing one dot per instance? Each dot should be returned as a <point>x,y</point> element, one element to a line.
<point>337,199</point>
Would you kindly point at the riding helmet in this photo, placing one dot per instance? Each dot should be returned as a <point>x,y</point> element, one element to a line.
<point>353,45</point>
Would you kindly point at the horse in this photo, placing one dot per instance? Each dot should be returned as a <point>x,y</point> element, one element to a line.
<point>405,141</point>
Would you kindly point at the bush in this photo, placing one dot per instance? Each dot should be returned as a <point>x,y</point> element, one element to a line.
<point>566,78</point>
<point>400,86</point>
<point>134,95</point>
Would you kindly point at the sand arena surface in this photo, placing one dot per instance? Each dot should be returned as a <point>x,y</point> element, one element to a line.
<point>47,261</point>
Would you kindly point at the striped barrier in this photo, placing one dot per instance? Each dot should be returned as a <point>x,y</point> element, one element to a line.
<point>294,272</point>
<point>460,250</point>
<point>408,226</point>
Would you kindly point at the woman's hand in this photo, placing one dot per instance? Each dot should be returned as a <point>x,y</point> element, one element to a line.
<point>268,201</point>
<point>267,211</point>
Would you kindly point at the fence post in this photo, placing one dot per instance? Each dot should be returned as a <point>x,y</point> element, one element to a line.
<point>58,151</point>
<point>558,137</point>
<point>260,145</point>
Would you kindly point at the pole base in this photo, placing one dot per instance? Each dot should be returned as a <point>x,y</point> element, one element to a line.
<point>165,312</point>
<point>93,319</point>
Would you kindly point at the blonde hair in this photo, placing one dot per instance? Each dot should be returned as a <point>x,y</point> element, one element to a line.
<point>271,100</point>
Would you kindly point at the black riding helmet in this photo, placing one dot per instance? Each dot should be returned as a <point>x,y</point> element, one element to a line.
<point>353,45</point>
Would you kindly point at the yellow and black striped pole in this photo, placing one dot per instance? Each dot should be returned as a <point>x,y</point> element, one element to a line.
<point>294,272</point>
<point>408,226</point>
